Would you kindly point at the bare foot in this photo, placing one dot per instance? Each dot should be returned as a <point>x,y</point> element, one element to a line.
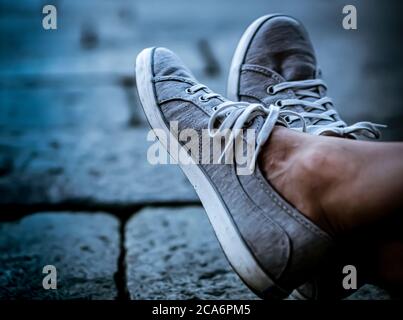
<point>321,177</point>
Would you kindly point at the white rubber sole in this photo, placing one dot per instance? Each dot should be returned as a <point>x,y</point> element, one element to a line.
<point>227,234</point>
<point>239,55</point>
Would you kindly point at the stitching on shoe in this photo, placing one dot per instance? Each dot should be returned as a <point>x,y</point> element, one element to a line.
<point>177,78</point>
<point>285,241</point>
<point>261,99</point>
<point>251,94</point>
<point>263,70</point>
<point>307,224</point>
<point>204,109</point>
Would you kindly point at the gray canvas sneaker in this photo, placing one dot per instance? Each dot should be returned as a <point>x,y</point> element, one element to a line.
<point>275,63</point>
<point>273,247</point>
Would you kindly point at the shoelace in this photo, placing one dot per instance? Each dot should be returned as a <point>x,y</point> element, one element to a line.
<point>320,108</point>
<point>237,115</point>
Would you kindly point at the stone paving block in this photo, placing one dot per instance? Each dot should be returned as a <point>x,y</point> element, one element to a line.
<point>62,136</point>
<point>83,247</point>
<point>66,105</point>
<point>172,253</point>
<point>86,167</point>
<point>370,292</point>
<point>358,65</point>
<point>105,39</point>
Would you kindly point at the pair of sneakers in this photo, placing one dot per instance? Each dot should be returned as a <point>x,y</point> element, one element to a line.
<point>273,80</point>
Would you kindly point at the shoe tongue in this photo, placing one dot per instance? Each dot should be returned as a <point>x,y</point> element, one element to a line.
<point>299,66</point>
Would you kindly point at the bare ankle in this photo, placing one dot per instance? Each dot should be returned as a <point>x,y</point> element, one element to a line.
<point>300,167</point>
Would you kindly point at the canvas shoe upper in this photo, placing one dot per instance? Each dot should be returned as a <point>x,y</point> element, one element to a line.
<point>270,244</point>
<point>274,63</point>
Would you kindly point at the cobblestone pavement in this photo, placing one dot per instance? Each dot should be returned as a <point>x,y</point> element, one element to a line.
<point>76,190</point>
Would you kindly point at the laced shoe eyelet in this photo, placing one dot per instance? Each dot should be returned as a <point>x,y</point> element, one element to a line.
<point>287,119</point>
<point>214,108</point>
<point>203,99</point>
<point>188,91</point>
<point>270,90</point>
<point>278,103</point>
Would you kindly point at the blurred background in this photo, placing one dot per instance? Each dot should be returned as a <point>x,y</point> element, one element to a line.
<point>76,190</point>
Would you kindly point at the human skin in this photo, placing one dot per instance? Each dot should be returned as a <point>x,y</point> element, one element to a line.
<point>340,184</point>
<point>346,187</point>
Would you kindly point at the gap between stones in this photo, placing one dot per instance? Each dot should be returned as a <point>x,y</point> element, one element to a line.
<point>120,275</point>
<point>14,212</point>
